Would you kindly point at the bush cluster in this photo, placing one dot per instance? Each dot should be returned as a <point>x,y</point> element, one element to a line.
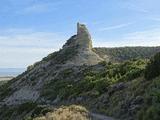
<point>97,81</point>
<point>153,67</point>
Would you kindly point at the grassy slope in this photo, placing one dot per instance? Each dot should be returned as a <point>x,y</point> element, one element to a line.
<point>96,90</point>
<point>118,90</point>
<point>3,82</point>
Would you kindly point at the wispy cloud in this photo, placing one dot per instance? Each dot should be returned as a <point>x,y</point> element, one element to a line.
<point>132,5</point>
<point>155,19</point>
<point>29,38</point>
<point>21,58</point>
<point>40,7</point>
<point>115,27</point>
<point>37,8</point>
<point>140,38</point>
<point>144,38</point>
<point>20,47</point>
<point>138,9</point>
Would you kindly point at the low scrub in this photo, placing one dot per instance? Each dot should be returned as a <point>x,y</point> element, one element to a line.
<point>72,112</point>
<point>153,67</point>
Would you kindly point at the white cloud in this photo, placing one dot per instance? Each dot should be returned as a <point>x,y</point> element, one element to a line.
<point>20,48</point>
<point>115,27</point>
<point>29,38</point>
<point>40,7</point>
<point>19,58</point>
<point>141,38</point>
<point>133,6</point>
<point>155,19</point>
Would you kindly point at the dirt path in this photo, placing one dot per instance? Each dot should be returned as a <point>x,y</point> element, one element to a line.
<point>100,117</point>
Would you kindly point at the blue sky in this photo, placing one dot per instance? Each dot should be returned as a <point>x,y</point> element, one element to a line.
<point>31,29</point>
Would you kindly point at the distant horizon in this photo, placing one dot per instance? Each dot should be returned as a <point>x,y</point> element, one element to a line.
<point>7,72</point>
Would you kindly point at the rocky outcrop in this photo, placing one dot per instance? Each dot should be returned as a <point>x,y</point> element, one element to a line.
<point>83,42</point>
<point>83,37</point>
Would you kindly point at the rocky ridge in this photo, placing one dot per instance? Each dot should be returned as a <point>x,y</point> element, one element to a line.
<point>76,52</point>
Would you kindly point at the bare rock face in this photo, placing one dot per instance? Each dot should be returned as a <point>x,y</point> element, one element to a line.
<point>83,43</point>
<point>83,37</point>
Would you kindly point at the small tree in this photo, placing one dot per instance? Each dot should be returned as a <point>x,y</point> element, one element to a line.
<point>153,67</point>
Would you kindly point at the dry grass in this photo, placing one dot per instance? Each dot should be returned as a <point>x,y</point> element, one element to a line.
<point>5,78</point>
<point>72,112</point>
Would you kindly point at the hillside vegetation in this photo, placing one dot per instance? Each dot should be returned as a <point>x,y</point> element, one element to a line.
<point>120,54</point>
<point>123,83</point>
<point>94,79</point>
<point>115,89</point>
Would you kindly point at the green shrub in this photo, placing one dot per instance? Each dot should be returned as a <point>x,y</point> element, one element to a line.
<point>26,107</point>
<point>101,85</point>
<point>153,67</point>
<point>103,63</point>
<point>62,56</point>
<point>92,80</point>
<point>152,113</point>
<point>6,90</point>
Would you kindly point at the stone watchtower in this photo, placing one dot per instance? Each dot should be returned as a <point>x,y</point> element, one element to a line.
<point>83,43</point>
<point>83,37</point>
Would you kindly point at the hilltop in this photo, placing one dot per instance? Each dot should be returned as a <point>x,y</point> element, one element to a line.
<point>109,81</point>
<point>76,52</point>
